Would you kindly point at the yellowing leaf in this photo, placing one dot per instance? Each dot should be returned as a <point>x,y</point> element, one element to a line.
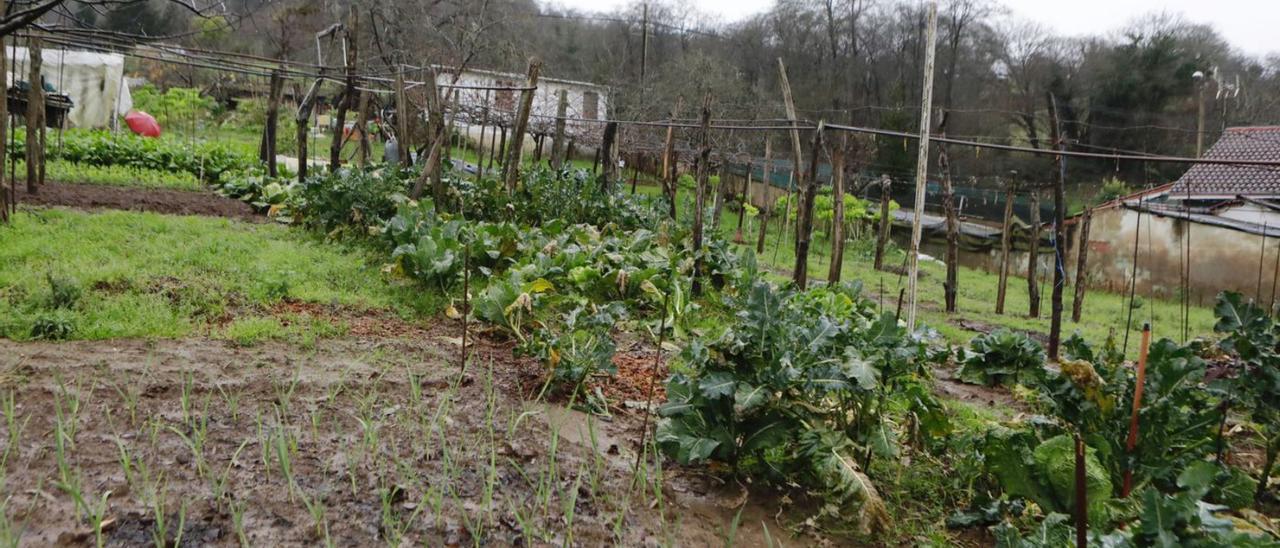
<point>541,285</point>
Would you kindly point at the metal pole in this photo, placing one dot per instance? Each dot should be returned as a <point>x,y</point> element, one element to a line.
<point>922,165</point>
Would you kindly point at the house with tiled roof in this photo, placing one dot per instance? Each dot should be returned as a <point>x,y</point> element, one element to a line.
<point>1222,220</point>
<point>1249,194</point>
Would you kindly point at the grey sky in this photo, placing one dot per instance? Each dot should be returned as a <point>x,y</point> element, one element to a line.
<point>1250,25</point>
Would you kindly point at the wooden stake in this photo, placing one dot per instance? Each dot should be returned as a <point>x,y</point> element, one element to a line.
<point>1082,277</point>
<point>402,120</point>
<point>609,156</point>
<point>557,143</point>
<point>511,169</point>
<point>767,183</point>
<point>349,36</point>
<point>1132,441</point>
<point>742,204</point>
<point>922,166</point>
<point>1059,234</point>
<point>272,123</point>
<point>722,190</point>
<point>668,161</point>
<point>882,234</point>
<point>303,120</point>
<point>837,213</point>
<point>362,129</point>
<point>1033,258</point>
<point>950,287</point>
<point>7,194</point>
<point>797,159</point>
<point>804,217</point>
<point>35,111</point>
<point>1006,243</point>
<point>704,167</point>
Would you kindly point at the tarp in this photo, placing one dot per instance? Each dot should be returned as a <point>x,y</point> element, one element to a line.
<point>94,81</point>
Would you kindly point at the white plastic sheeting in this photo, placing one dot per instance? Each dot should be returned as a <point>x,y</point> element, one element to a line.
<point>94,81</point>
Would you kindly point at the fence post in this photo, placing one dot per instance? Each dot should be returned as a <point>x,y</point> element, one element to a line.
<point>1006,242</point>
<point>1082,241</point>
<point>951,286</point>
<point>272,123</point>
<point>1033,259</point>
<point>340,122</point>
<point>837,211</point>
<point>700,197</point>
<point>35,118</point>
<point>1059,233</point>
<point>766,183</point>
<point>557,143</point>
<point>668,160</point>
<point>922,165</point>
<point>882,235</point>
<point>511,169</point>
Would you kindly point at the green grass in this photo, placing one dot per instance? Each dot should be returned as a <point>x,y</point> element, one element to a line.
<point>127,274</point>
<point>1103,311</point>
<point>62,171</point>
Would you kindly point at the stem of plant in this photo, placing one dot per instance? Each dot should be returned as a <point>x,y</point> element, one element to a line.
<point>653,376</point>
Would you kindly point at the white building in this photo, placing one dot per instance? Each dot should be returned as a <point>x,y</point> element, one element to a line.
<point>586,102</point>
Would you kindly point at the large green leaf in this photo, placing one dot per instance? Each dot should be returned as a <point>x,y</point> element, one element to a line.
<point>717,385</point>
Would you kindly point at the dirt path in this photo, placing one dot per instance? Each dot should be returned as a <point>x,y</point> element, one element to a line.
<point>181,202</point>
<point>369,441</point>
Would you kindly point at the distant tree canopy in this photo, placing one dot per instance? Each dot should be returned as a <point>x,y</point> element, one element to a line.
<point>849,61</point>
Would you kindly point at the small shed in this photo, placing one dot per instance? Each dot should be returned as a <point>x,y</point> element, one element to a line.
<point>94,82</point>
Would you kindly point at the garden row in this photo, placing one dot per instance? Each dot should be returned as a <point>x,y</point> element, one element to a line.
<point>813,387</point>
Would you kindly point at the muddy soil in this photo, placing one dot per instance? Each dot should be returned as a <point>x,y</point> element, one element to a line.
<point>157,200</point>
<point>361,441</point>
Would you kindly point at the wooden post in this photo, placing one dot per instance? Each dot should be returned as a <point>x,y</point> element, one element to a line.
<point>796,156</point>
<point>951,285</point>
<point>1006,242</point>
<point>767,183</point>
<point>804,216</point>
<point>431,167</point>
<point>668,161</point>
<point>922,166</point>
<point>1033,258</point>
<point>742,204</point>
<point>272,123</point>
<point>7,194</point>
<point>484,123</point>
<point>511,169</point>
<point>882,235</point>
<point>837,211</point>
<point>362,129</point>
<point>303,120</point>
<point>1082,278</point>
<point>35,117</point>
<point>722,190</point>
<point>700,196</point>
<point>557,144</point>
<point>1132,441</point>
<point>402,120</point>
<point>1059,234</point>
<point>609,156</point>
<point>349,36</point>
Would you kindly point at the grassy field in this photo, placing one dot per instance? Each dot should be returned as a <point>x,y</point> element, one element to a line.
<point>68,274</point>
<point>1103,311</point>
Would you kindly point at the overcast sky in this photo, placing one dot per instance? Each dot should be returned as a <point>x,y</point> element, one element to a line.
<point>1250,25</point>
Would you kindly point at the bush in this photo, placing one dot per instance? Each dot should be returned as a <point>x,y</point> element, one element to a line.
<point>175,106</point>
<point>53,326</point>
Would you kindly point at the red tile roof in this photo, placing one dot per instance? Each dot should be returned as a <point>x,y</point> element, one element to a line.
<point>1224,181</point>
